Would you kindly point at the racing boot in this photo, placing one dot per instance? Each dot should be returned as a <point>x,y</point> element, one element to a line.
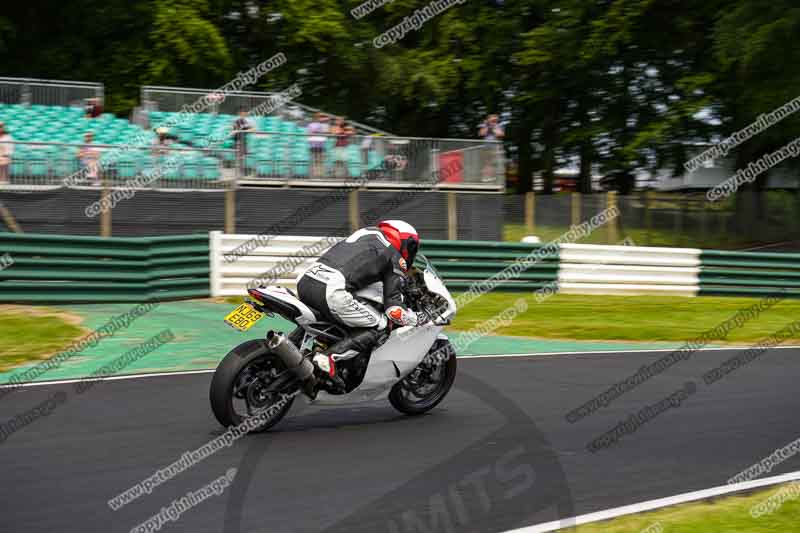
<point>360,342</point>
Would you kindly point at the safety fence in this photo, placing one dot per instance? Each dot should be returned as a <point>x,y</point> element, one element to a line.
<point>33,91</point>
<point>749,273</point>
<point>58,268</point>
<point>377,160</point>
<point>241,261</point>
<point>55,268</point>
<point>172,99</point>
<point>769,219</point>
<point>46,165</point>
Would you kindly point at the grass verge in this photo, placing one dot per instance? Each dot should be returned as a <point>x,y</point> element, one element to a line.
<point>731,514</point>
<point>625,318</point>
<point>31,333</point>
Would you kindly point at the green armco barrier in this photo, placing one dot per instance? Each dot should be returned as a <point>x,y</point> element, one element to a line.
<point>464,263</point>
<point>724,273</point>
<point>68,268</point>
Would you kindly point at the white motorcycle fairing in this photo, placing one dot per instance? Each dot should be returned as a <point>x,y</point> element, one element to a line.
<point>388,364</point>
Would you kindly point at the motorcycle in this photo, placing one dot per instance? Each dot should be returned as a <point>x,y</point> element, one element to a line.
<point>414,367</point>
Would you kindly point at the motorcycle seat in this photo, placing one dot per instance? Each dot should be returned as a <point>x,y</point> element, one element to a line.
<point>284,302</point>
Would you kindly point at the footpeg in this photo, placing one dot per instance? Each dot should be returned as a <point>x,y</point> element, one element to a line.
<point>327,364</point>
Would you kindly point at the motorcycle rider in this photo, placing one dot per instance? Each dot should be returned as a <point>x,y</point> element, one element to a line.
<point>373,254</point>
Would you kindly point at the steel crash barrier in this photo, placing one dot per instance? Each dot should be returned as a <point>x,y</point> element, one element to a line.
<point>55,268</point>
<point>60,268</point>
<point>241,261</point>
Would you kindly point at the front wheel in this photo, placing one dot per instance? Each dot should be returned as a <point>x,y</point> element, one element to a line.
<point>243,387</point>
<point>429,383</point>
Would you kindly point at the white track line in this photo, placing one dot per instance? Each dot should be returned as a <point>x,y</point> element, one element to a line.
<point>657,504</point>
<point>620,352</point>
<point>110,378</point>
<point>462,358</point>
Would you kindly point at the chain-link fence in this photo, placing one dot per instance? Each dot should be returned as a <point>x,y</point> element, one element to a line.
<point>375,159</point>
<point>29,91</point>
<point>173,99</point>
<point>770,220</point>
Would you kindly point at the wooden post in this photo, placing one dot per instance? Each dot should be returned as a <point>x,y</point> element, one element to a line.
<point>530,214</point>
<point>576,208</point>
<point>679,223</point>
<point>648,216</point>
<point>230,211</point>
<point>105,214</point>
<point>452,216</point>
<point>9,219</point>
<point>613,229</point>
<point>355,219</point>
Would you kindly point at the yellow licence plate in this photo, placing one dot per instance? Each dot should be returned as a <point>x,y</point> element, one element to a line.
<point>243,317</point>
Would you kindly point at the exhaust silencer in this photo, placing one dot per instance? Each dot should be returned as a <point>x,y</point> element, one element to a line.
<point>290,355</point>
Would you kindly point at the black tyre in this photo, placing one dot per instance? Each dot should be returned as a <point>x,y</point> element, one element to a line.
<point>239,386</point>
<point>429,383</point>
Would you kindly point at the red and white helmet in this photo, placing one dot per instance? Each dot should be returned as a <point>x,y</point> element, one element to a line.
<point>402,236</point>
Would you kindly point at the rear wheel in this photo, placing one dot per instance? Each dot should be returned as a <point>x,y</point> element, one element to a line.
<point>244,387</point>
<point>429,383</point>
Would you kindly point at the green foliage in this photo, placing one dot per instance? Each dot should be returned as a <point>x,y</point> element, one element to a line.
<point>614,85</point>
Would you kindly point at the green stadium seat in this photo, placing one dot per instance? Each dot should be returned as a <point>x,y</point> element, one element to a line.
<point>211,168</point>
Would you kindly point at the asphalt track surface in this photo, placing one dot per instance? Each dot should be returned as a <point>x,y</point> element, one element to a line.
<point>497,454</point>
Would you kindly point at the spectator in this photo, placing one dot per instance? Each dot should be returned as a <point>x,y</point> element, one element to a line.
<point>491,130</point>
<point>317,131</point>
<point>343,135</point>
<point>93,108</point>
<point>162,141</point>
<point>241,126</point>
<point>89,157</point>
<point>296,114</point>
<point>367,146</point>
<point>396,160</point>
<point>6,153</point>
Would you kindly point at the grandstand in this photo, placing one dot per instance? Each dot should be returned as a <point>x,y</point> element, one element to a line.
<point>47,123</point>
<point>281,149</point>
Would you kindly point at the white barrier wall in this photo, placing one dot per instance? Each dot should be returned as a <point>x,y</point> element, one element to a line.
<point>238,260</point>
<point>595,269</point>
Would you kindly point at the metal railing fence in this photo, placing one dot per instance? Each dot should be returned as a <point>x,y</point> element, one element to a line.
<point>32,91</point>
<point>34,165</point>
